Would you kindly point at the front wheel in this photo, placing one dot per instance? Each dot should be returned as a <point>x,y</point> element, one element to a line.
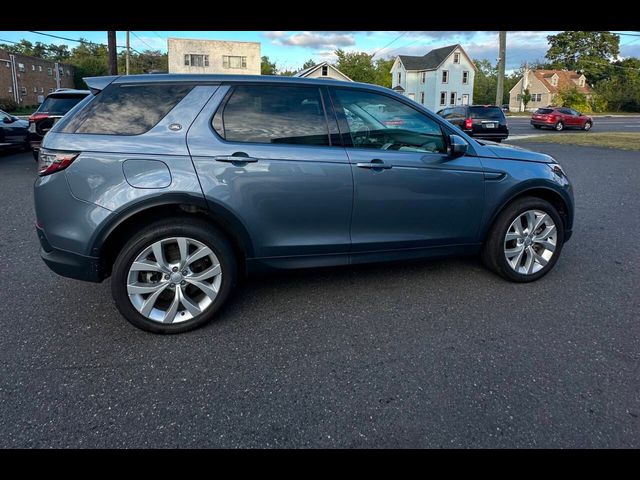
<point>173,276</point>
<point>525,241</point>
<point>559,126</point>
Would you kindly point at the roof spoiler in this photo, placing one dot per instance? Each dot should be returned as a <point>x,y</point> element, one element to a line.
<point>97,84</point>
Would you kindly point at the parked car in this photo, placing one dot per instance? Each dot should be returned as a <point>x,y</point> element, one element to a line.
<point>13,131</point>
<point>481,121</point>
<point>54,107</point>
<point>560,118</point>
<point>197,179</point>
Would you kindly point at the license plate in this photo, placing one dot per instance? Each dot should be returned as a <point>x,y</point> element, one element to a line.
<point>490,125</point>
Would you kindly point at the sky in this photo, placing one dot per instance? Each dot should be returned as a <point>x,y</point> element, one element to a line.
<point>291,49</point>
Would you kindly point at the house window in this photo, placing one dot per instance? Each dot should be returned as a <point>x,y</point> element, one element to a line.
<point>35,89</point>
<point>23,91</point>
<point>39,68</point>
<point>234,61</point>
<point>581,82</point>
<point>21,67</point>
<point>423,77</point>
<point>399,78</point>
<point>452,98</point>
<point>422,98</point>
<point>465,77</point>
<point>325,70</point>
<point>68,72</point>
<point>10,90</point>
<point>554,81</point>
<point>49,71</point>
<point>196,60</point>
<point>456,57</point>
<point>445,76</point>
<point>41,89</point>
<point>518,97</point>
<point>443,98</point>
<point>33,68</point>
<point>61,71</point>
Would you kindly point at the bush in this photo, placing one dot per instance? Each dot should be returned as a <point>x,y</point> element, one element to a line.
<point>8,104</point>
<point>572,98</point>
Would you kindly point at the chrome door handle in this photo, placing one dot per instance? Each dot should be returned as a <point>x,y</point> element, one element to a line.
<point>376,163</point>
<point>235,159</point>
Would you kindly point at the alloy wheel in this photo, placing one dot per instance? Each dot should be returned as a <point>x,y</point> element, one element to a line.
<point>530,242</point>
<point>174,280</point>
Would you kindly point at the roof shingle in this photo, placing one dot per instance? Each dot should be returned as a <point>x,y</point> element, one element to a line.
<point>430,61</point>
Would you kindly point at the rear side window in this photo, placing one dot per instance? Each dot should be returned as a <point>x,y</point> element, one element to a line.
<point>544,111</point>
<point>491,113</point>
<point>127,109</point>
<point>273,114</point>
<point>59,104</point>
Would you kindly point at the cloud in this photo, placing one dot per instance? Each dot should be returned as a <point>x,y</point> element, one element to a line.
<point>313,39</point>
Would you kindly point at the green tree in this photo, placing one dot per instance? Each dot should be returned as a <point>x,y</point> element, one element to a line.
<point>621,91</point>
<point>267,67</point>
<point>383,71</point>
<point>588,52</point>
<point>572,98</point>
<point>143,62</point>
<point>308,64</point>
<point>485,82</point>
<point>287,73</point>
<point>356,65</point>
<point>526,97</point>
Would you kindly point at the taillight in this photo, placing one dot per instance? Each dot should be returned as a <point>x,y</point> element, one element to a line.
<point>38,116</point>
<point>50,161</point>
<point>468,124</point>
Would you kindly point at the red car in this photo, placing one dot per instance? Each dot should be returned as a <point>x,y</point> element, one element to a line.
<point>560,118</point>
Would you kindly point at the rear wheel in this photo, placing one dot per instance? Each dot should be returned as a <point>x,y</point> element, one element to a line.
<point>559,126</point>
<point>587,126</point>
<point>173,276</point>
<point>525,241</point>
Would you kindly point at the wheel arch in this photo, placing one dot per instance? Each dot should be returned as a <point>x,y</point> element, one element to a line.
<point>108,241</point>
<point>551,195</point>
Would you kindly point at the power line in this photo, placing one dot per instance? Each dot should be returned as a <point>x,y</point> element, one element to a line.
<point>388,44</point>
<point>134,34</point>
<point>10,41</point>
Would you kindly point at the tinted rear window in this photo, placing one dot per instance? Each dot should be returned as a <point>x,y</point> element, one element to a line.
<point>544,111</point>
<point>273,114</point>
<point>491,113</point>
<point>127,109</point>
<point>59,104</point>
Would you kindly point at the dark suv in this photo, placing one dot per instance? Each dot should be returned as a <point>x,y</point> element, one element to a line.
<point>54,107</point>
<point>481,121</point>
<point>174,185</point>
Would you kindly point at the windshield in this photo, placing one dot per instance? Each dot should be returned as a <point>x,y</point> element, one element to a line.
<point>492,113</point>
<point>59,105</point>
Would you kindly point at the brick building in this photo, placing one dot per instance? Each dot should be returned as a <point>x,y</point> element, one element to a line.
<point>28,79</point>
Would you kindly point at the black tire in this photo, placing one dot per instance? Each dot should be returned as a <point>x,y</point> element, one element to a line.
<point>172,227</point>
<point>559,126</point>
<point>493,250</point>
<point>537,127</point>
<point>587,126</point>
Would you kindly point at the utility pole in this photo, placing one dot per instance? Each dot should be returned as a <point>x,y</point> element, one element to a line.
<point>523,85</point>
<point>113,56</point>
<point>127,54</point>
<point>501,64</point>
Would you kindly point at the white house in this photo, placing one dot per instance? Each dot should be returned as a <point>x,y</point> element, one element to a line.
<point>323,70</point>
<point>213,56</point>
<point>441,78</point>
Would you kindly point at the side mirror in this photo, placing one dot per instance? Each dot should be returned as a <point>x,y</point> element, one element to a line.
<point>457,146</point>
<point>8,120</point>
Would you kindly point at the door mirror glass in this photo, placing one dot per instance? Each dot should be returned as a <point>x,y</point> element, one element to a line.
<point>7,120</point>
<point>457,146</point>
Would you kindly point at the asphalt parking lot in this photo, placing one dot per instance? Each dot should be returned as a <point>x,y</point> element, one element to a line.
<point>428,354</point>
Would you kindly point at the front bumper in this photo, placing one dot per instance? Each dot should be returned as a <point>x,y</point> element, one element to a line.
<point>69,264</point>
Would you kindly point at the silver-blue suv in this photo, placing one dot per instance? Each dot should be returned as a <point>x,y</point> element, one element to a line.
<point>174,185</point>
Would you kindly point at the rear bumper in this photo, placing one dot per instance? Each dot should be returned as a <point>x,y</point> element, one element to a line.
<point>543,123</point>
<point>488,135</point>
<point>69,264</point>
